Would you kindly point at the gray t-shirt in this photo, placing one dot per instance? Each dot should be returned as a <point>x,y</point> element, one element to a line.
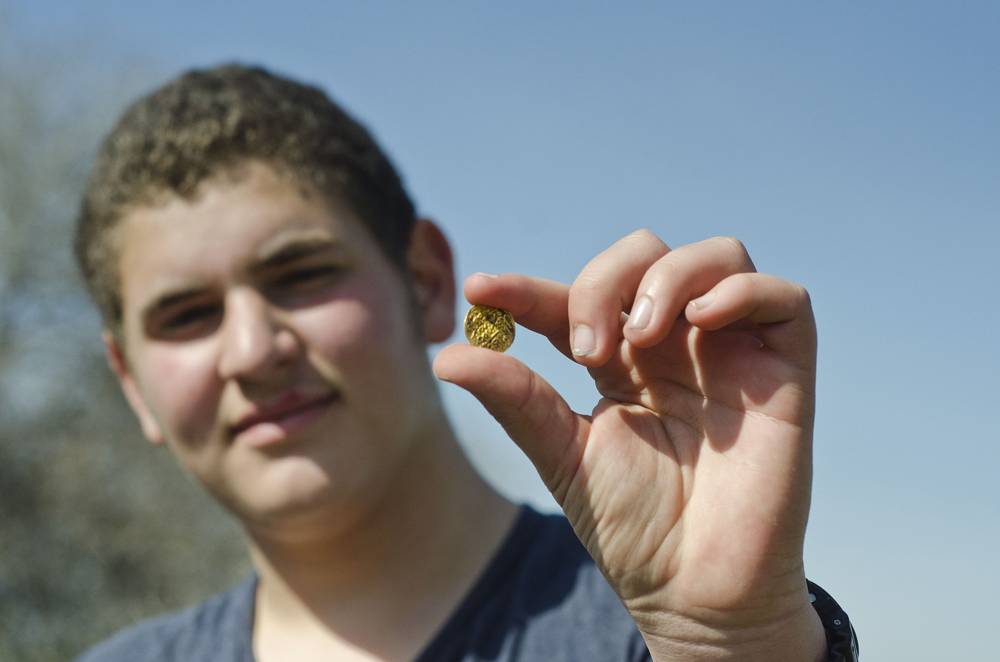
<point>541,598</point>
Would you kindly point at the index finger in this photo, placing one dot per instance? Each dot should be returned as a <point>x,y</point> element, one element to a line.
<point>537,304</point>
<point>604,290</point>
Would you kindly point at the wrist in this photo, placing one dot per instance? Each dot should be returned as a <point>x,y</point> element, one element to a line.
<point>842,643</point>
<point>799,637</point>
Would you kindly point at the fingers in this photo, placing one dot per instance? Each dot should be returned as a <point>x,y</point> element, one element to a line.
<point>604,289</point>
<point>640,275</point>
<point>670,283</point>
<point>779,309</point>
<point>533,414</point>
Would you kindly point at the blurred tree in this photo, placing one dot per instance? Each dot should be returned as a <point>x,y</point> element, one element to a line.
<point>97,528</point>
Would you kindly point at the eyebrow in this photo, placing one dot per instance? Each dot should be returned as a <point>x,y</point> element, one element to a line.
<point>295,250</point>
<point>282,254</point>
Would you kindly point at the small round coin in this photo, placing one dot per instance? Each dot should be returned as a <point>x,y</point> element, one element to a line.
<point>489,327</point>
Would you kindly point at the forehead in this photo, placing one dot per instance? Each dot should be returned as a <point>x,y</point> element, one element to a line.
<point>235,217</point>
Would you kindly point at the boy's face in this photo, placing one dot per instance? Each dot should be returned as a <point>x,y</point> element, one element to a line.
<point>273,347</point>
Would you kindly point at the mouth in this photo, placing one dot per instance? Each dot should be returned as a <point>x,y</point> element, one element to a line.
<point>281,421</point>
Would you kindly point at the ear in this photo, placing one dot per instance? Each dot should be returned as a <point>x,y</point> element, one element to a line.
<point>117,362</point>
<point>432,273</point>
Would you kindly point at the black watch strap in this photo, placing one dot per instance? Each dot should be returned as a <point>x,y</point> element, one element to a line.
<point>841,641</point>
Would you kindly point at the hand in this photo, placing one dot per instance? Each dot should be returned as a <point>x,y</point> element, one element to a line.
<point>689,482</point>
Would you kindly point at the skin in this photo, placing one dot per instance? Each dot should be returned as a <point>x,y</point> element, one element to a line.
<point>268,343</point>
<point>689,482</point>
<point>365,521</point>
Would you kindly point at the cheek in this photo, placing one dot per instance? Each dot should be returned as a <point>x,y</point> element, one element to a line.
<point>183,391</point>
<point>365,319</point>
<point>363,342</point>
<point>347,333</point>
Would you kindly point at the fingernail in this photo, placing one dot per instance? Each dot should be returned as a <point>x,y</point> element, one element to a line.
<point>704,301</point>
<point>484,275</point>
<point>583,340</point>
<point>641,313</point>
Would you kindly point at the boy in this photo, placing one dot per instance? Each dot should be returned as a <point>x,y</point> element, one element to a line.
<point>268,293</point>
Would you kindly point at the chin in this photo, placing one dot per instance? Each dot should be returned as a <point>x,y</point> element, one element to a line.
<point>299,495</point>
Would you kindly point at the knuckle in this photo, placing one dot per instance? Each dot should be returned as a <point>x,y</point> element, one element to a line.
<point>668,267</point>
<point>644,234</point>
<point>734,246</point>
<point>740,287</point>
<point>589,289</point>
<point>742,283</point>
<point>796,295</point>
<point>645,237</point>
<point>587,281</point>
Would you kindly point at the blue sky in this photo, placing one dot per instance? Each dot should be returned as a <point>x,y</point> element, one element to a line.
<point>852,146</point>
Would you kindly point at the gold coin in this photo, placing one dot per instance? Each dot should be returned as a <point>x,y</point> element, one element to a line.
<point>488,327</point>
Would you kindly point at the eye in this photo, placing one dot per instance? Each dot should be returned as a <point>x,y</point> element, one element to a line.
<point>304,276</point>
<point>300,284</point>
<point>186,322</point>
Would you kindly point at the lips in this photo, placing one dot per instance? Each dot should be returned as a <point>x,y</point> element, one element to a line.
<point>281,419</point>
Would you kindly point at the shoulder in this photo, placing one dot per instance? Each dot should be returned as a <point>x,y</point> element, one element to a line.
<point>216,629</point>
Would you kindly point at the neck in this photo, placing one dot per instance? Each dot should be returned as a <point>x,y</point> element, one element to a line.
<point>402,565</point>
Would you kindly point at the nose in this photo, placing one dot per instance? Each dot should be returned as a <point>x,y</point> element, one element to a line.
<point>256,339</point>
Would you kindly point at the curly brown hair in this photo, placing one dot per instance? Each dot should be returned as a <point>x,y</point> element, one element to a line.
<point>208,122</point>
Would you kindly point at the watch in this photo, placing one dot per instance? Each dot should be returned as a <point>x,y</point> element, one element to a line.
<point>841,640</point>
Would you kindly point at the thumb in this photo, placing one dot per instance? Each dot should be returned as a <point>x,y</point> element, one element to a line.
<point>535,416</point>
